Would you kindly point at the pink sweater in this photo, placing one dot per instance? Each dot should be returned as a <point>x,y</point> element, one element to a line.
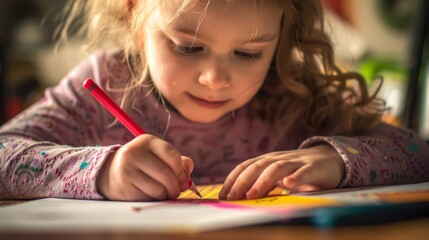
<point>56,147</point>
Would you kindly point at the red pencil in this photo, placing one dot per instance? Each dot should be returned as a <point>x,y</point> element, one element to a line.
<point>122,116</point>
<point>110,105</point>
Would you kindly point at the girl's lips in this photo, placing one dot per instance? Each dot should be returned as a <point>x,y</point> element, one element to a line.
<point>207,104</point>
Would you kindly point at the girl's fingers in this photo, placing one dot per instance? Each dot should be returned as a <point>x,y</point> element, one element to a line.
<point>308,188</point>
<point>303,180</point>
<point>168,154</point>
<point>268,179</point>
<point>188,167</point>
<point>146,168</point>
<point>319,167</point>
<point>313,176</point>
<point>159,170</point>
<point>301,176</point>
<point>133,189</point>
<point>246,180</point>
<point>135,194</point>
<point>150,187</point>
<point>233,176</point>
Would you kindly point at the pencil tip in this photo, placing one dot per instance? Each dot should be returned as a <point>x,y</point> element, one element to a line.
<point>199,194</point>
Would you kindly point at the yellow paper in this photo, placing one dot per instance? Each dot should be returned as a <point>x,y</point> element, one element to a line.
<point>276,198</point>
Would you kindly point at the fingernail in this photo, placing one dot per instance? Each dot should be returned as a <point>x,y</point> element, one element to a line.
<point>221,194</point>
<point>232,195</point>
<point>252,193</point>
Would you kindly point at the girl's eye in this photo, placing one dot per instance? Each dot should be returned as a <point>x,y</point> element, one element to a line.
<point>248,55</point>
<point>186,50</point>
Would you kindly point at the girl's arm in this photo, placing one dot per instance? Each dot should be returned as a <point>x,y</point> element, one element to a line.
<point>51,149</point>
<point>37,169</point>
<point>388,155</point>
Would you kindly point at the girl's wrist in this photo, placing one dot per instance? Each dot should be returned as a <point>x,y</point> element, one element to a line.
<point>102,179</point>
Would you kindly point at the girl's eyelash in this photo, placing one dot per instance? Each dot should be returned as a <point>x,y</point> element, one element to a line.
<point>248,55</point>
<point>185,50</point>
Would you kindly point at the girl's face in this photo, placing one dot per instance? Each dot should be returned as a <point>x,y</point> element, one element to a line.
<point>211,59</point>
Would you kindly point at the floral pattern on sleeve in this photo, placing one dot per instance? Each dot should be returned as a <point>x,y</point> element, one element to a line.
<point>389,155</point>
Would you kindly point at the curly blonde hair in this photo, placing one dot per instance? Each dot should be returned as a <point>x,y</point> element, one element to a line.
<point>304,89</point>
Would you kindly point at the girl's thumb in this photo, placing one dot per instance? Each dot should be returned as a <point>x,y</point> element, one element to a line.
<point>188,165</point>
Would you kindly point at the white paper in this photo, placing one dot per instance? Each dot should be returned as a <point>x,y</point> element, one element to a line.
<point>66,215</point>
<point>52,214</point>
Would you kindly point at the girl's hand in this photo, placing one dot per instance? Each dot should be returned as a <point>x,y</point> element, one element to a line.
<point>316,168</point>
<point>147,168</point>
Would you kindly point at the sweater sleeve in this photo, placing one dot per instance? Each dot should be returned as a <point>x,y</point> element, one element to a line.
<point>388,155</point>
<point>50,150</point>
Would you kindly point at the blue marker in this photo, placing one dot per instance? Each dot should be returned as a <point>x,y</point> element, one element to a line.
<point>368,214</point>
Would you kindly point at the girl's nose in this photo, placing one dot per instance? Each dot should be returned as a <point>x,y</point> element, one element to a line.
<point>215,75</point>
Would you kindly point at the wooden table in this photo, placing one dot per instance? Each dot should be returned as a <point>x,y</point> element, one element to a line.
<point>414,229</point>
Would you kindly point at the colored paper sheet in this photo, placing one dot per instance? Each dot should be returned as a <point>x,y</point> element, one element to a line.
<point>190,213</point>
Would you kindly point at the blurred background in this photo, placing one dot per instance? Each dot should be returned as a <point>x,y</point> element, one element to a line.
<point>387,38</point>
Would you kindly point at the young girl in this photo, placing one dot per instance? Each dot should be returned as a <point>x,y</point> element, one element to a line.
<point>240,92</point>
